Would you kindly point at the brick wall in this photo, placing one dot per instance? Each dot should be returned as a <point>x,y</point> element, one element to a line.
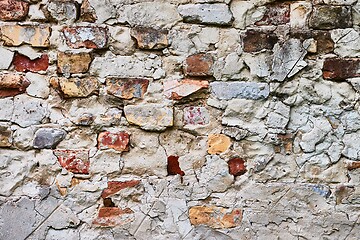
<point>179,119</point>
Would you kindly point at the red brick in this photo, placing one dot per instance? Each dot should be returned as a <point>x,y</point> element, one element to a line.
<point>113,216</point>
<point>324,42</point>
<point>177,90</point>
<point>115,186</point>
<point>86,36</point>
<point>75,161</point>
<point>13,10</point>
<point>341,68</point>
<point>127,88</point>
<point>255,40</point>
<point>118,141</point>
<point>237,166</point>
<point>173,166</point>
<point>24,64</point>
<point>275,14</point>
<point>12,85</point>
<point>199,65</point>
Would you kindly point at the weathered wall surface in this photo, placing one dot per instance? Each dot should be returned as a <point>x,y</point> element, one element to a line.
<point>179,119</point>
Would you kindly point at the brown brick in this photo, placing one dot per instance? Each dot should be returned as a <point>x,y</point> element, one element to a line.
<point>341,68</point>
<point>13,10</point>
<point>12,85</point>
<point>330,17</point>
<point>275,14</point>
<point>24,64</point>
<point>199,65</point>
<point>127,88</point>
<point>86,36</point>
<point>73,62</point>
<point>255,40</point>
<point>150,38</point>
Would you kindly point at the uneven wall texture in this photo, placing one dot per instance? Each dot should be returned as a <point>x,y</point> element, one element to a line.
<point>179,119</point>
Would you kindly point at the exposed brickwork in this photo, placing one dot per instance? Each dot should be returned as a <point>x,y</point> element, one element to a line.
<point>179,119</point>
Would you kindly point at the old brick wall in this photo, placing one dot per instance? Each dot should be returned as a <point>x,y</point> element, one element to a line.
<point>179,119</point>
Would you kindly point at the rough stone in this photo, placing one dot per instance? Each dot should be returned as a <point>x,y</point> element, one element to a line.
<point>330,17</point>
<point>245,90</point>
<point>77,87</point>
<point>127,88</point>
<point>148,14</point>
<point>24,64</point>
<point>13,10</point>
<point>6,59</point>
<point>215,217</point>
<point>150,38</point>
<point>196,116</point>
<point>126,67</point>
<point>87,12</point>
<point>118,141</point>
<point>62,10</point>
<point>73,62</point>
<point>218,143</point>
<point>153,117</point>
<point>217,14</point>
<point>177,90</point>
<point>29,111</point>
<point>39,86</point>
<point>75,161</point>
<point>106,162</point>
<point>288,59</point>
<point>34,35</point>
<point>10,226</point>
<point>48,137</point>
<point>215,174</point>
<point>86,37</point>
<point>5,136</point>
<point>12,85</point>
<point>15,167</point>
<point>199,65</point>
